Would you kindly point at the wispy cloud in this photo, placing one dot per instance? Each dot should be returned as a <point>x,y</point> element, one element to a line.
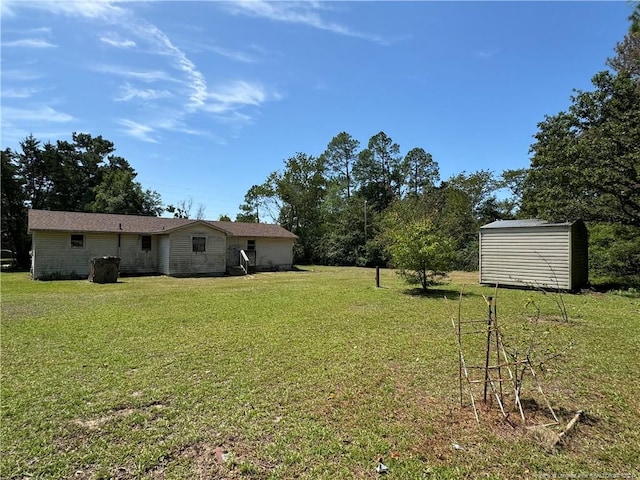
<point>138,130</point>
<point>129,92</point>
<point>29,43</point>
<point>115,42</point>
<point>233,54</point>
<point>147,76</point>
<point>95,9</point>
<point>227,97</point>
<point>36,114</point>
<point>195,80</point>
<point>167,83</point>
<point>19,92</point>
<point>20,75</point>
<point>300,12</point>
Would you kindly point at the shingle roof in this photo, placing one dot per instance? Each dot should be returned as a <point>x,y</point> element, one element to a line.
<point>525,223</point>
<point>112,223</point>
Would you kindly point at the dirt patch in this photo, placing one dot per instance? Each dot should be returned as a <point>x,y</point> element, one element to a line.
<point>116,414</point>
<point>95,423</point>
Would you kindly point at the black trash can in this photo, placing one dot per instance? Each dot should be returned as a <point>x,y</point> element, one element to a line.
<point>104,269</point>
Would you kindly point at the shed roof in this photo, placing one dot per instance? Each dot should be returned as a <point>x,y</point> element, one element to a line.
<point>527,223</point>
<point>49,220</point>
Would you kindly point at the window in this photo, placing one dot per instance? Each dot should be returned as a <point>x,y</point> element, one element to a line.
<point>146,242</point>
<point>77,241</point>
<point>199,244</point>
<point>251,245</point>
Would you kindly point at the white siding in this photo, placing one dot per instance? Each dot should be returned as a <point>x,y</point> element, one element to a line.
<point>184,261</point>
<point>135,260</point>
<point>53,255</point>
<point>163,254</point>
<point>270,253</point>
<point>274,253</point>
<point>535,257</point>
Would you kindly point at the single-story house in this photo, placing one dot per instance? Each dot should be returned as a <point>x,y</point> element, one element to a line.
<point>534,253</point>
<point>63,244</point>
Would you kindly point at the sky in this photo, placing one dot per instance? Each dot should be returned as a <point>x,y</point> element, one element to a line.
<point>206,98</point>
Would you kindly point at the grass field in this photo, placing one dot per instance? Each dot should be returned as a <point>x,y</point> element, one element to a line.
<point>309,374</point>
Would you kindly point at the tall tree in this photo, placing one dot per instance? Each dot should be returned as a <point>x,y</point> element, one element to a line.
<point>480,187</point>
<point>261,201</point>
<point>36,172</point>
<point>302,187</point>
<point>379,171</point>
<point>586,161</point>
<point>13,211</point>
<point>119,193</point>
<point>422,171</point>
<point>340,156</point>
<point>82,175</point>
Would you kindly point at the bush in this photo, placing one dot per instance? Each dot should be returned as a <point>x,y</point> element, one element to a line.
<point>614,250</point>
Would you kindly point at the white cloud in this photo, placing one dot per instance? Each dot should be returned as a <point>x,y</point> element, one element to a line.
<point>232,54</point>
<point>20,75</point>
<point>138,130</point>
<point>237,93</point>
<point>114,42</point>
<point>29,43</point>
<point>93,9</point>
<point>128,92</point>
<point>36,114</point>
<point>147,76</point>
<point>19,92</point>
<point>170,85</point>
<point>195,80</point>
<point>301,12</point>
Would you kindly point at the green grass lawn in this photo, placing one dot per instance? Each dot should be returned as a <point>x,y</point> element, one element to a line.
<point>312,374</point>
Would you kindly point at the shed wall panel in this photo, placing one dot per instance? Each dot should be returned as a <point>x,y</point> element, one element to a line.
<point>526,257</point>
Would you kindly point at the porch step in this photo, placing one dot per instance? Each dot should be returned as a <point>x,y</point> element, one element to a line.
<point>236,271</point>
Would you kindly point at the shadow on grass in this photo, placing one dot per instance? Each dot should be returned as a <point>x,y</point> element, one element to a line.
<point>295,268</point>
<point>629,283</point>
<point>437,293</point>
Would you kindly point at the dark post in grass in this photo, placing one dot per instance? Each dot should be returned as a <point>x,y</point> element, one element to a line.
<point>377,277</point>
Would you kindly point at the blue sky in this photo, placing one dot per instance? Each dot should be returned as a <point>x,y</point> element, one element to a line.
<point>205,99</point>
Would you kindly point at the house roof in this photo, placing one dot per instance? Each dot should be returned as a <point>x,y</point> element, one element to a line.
<point>48,220</point>
<point>526,223</point>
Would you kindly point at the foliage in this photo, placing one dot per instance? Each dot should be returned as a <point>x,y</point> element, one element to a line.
<point>379,171</point>
<point>422,171</point>
<point>586,162</point>
<point>83,175</point>
<point>183,209</point>
<point>419,251</point>
<point>14,212</point>
<point>614,250</point>
<point>339,157</point>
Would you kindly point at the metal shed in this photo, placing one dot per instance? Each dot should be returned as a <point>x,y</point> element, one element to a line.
<point>534,253</point>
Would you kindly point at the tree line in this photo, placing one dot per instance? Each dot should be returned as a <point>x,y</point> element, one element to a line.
<point>344,202</point>
<point>369,204</point>
<point>83,175</point>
